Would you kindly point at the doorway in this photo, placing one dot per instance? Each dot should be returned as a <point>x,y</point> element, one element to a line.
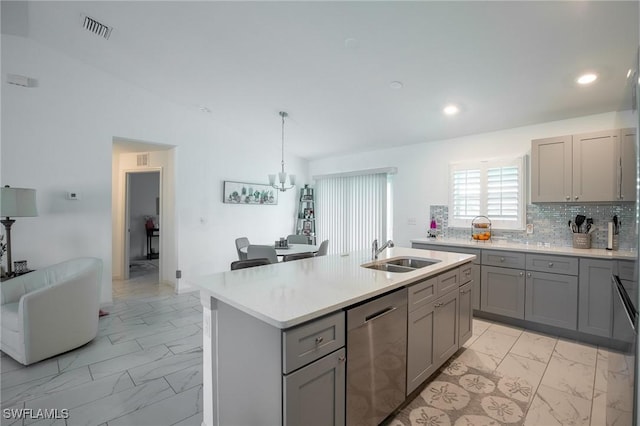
<point>143,192</point>
<point>143,224</point>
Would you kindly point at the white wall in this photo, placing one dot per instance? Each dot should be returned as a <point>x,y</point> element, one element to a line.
<point>423,168</point>
<point>58,137</point>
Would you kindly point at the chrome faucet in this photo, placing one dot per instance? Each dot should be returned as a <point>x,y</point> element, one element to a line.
<point>375,251</point>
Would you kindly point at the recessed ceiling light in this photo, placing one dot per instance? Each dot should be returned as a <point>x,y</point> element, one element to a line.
<point>395,85</point>
<point>587,78</point>
<point>451,109</point>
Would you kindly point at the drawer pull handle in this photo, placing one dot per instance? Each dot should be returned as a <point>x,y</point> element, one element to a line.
<point>550,264</point>
<point>529,274</point>
<point>465,291</point>
<point>437,305</point>
<point>502,259</point>
<point>521,274</point>
<point>342,358</point>
<point>319,340</point>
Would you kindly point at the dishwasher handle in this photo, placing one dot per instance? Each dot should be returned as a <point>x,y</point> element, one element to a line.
<point>379,314</point>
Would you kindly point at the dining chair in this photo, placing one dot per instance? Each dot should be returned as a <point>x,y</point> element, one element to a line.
<point>249,263</point>
<point>322,250</point>
<point>258,251</point>
<point>297,239</point>
<point>242,242</point>
<point>296,256</point>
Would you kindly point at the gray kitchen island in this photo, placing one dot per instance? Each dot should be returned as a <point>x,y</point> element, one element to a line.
<point>275,338</point>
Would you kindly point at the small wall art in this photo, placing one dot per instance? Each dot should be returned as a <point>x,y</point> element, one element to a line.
<point>249,193</point>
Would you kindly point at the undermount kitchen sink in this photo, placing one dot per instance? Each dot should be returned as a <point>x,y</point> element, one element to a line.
<point>402,264</point>
<point>412,262</point>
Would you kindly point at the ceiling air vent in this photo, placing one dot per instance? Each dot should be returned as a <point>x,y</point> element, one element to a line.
<point>96,27</point>
<point>143,160</point>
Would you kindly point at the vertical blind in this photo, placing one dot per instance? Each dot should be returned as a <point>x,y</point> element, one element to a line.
<point>351,211</point>
<point>491,188</point>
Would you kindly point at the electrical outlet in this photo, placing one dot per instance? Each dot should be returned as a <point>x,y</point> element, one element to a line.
<point>72,195</point>
<point>529,228</point>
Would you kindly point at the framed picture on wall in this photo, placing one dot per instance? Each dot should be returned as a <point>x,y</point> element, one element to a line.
<point>249,193</point>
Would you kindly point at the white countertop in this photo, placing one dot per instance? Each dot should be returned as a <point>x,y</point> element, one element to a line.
<point>531,248</point>
<point>290,293</point>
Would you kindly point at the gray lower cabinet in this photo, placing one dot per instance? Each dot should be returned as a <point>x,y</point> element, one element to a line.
<point>445,338</point>
<point>432,337</point>
<point>502,291</point>
<point>465,330</point>
<point>420,356</point>
<point>595,297</point>
<point>315,394</point>
<point>552,299</point>
<point>475,284</point>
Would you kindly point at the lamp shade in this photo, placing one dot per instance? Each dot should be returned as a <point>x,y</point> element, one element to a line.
<point>18,202</point>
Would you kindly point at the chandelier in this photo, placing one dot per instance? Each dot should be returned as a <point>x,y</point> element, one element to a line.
<point>282,176</point>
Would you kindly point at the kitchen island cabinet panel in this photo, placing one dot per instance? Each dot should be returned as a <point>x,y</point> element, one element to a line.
<point>595,297</point>
<point>552,299</point>
<point>502,291</point>
<point>466,313</point>
<point>445,339</point>
<point>315,394</point>
<point>420,355</point>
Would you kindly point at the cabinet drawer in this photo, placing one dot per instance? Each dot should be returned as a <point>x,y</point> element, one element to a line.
<point>447,281</point>
<point>555,264</point>
<point>422,293</point>
<point>452,249</point>
<point>313,340</point>
<point>505,259</point>
<point>466,273</point>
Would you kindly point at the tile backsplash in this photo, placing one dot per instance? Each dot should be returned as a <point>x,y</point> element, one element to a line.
<point>550,222</point>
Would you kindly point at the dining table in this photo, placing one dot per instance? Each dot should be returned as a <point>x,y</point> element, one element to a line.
<point>291,249</point>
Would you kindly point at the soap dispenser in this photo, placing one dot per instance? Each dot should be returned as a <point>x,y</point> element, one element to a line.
<point>433,228</point>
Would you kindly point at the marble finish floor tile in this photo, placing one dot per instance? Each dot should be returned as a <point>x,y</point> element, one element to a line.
<point>534,346</point>
<point>46,386</point>
<point>506,329</point>
<point>478,360</point>
<point>165,366</point>
<point>571,377</point>
<point>527,373</point>
<point>100,349</point>
<point>185,379</point>
<point>494,343</point>
<point>129,361</point>
<point>480,326</point>
<point>552,407</point>
<point>24,374</point>
<point>577,352</point>
<point>170,336</point>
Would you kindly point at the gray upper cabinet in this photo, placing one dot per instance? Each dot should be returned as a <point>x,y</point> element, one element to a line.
<point>596,157</point>
<point>551,171</point>
<point>595,297</point>
<point>591,167</point>
<point>628,165</point>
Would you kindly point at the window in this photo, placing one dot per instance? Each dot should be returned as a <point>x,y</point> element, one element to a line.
<point>492,188</point>
<point>353,209</point>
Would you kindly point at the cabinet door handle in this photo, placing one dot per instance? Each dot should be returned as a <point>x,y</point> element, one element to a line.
<point>529,274</point>
<point>576,197</point>
<point>319,340</point>
<point>437,305</point>
<point>342,358</point>
<point>550,264</point>
<point>567,198</point>
<point>502,259</point>
<point>465,291</point>
<point>522,274</point>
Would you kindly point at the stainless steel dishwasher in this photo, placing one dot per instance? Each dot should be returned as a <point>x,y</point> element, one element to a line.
<point>376,358</point>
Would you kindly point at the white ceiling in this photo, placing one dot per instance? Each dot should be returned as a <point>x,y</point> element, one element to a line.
<point>507,64</point>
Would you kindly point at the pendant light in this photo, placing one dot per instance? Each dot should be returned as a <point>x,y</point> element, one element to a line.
<point>282,176</point>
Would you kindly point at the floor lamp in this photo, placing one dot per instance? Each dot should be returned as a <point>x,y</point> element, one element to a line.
<point>15,202</point>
